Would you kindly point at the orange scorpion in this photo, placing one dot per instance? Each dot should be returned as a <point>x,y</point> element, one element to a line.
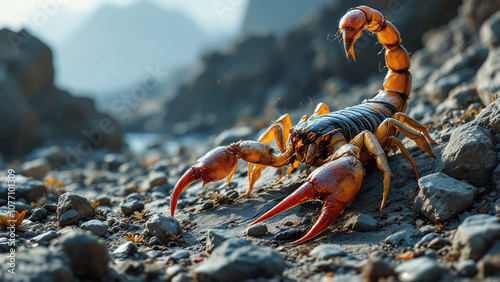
<point>338,143</point>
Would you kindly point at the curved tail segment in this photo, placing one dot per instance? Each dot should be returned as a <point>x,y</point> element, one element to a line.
<point>397,83</point>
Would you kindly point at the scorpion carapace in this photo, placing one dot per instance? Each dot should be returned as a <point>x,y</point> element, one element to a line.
<point>338,143</point>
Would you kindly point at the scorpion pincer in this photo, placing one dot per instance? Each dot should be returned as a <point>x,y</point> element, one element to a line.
<point>338,143</point>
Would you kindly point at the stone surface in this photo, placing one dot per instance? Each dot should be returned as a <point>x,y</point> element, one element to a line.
<point>95,226</point>
<point>36,168</point>
<point>130,206</point>
<point>37,264</point>
<point>215,238</point>
<point>469,155</point>
<point>38,214</point>
<point>162,227</point>
<point>257,230</point>
<point>30,189</point>
<point>490,31</point>
<point>377,268</point>
<point>124,250</point>
<point>238,259</point>
<point>488,77</point>
<point>419,269</point>
<point>72,207</point>
<point>89,258</point>
<point>45,238</point>
<point>362,222</point>
<point>475,234</point>
<point>327,251</point>
<point>398,238</point>
<point>442,197</point>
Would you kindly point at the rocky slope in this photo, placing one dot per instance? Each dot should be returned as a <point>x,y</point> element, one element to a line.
<point>443,227</point>
<point>34,112</point>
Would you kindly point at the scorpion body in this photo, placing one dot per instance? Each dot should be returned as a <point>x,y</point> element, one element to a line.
<point>338,143</point>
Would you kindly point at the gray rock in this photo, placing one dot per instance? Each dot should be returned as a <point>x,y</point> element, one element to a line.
<point>468,155</point>
<point>362,222</point>
<point>488,79</point>
<point>327,251</point>
<point>377,268</point>
<point>428,229</point>
<point>257,230</point>
<point>27,188</point>
<point>45,238</point>
<point>475,234</point>
<point>72,207</point>
<point>238,259</point>
<point>419,269</point>
<point>183,277</point>
<point>398,238</point>
<point>466,268</point>
<point>442,197</point>
<point>37,264</point>
<point>156,178</point>
<point>438,242</point>
<point>174,270</point>
<point>179,255</point>
<point>490,31</point>
<point>50,207</point>
<point>38,214</point>
<point>154,241</point>
<point>162,226</point>
<point>426,240</point>
<point>215,238</point>
<point>89,258</point>
<point>130,206</point>
<point>36,168</point>
<point>103,199</point>
<point>95,226</point>
<point>125,250</point>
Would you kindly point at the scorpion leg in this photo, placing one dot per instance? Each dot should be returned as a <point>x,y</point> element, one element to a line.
<point>395,142</point>
<point>222,161</point>
<point>278,131</point>
<point>408,121</point>
<point>320,110</point>
<point>390,126</point>
<point>370,141</point>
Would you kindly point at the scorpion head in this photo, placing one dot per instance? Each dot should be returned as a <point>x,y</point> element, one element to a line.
<point>312,145</point>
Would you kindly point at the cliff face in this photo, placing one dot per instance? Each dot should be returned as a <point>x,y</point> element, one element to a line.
<point>262,76</point>
<point>33,111</point>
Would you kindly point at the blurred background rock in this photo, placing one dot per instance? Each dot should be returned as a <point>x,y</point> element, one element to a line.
<point>165,70</point>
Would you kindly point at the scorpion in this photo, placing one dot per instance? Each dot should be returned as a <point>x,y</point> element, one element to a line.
<point>337,143</point>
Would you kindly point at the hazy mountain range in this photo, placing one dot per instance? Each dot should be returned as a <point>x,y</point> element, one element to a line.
<point>115,45</point>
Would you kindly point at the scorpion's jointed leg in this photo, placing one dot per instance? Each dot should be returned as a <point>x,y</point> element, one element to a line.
<point>390,126</point>
<point>392,142</point>
<point>222,161</point>
<point>335,183</point>
<point>408,121</point>
<point>279,132</point>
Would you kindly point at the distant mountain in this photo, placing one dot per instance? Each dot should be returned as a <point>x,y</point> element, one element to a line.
<point>278,16</point>
<point>115,45</point>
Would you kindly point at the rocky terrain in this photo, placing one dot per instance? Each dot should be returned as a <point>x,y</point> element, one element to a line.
<point>108,218</point>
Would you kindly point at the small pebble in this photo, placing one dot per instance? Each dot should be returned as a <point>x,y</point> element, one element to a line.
<point>287,235</point>
<point>259,229</point>
<point>326,251</point>
<point>419,223</point>
<point>154,241</point>
<point>207,205</point>
<point>428,229</point>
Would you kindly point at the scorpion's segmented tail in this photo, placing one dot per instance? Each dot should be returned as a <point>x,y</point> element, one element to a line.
<point>397,83</point>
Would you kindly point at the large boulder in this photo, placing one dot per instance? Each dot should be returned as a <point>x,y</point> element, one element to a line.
<point>34,111</point>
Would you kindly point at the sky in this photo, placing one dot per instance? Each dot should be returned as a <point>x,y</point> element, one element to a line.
<point>53,20</point>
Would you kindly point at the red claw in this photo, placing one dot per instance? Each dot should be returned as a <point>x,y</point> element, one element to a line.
<point>213,166</point>
<point>335,184</point>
